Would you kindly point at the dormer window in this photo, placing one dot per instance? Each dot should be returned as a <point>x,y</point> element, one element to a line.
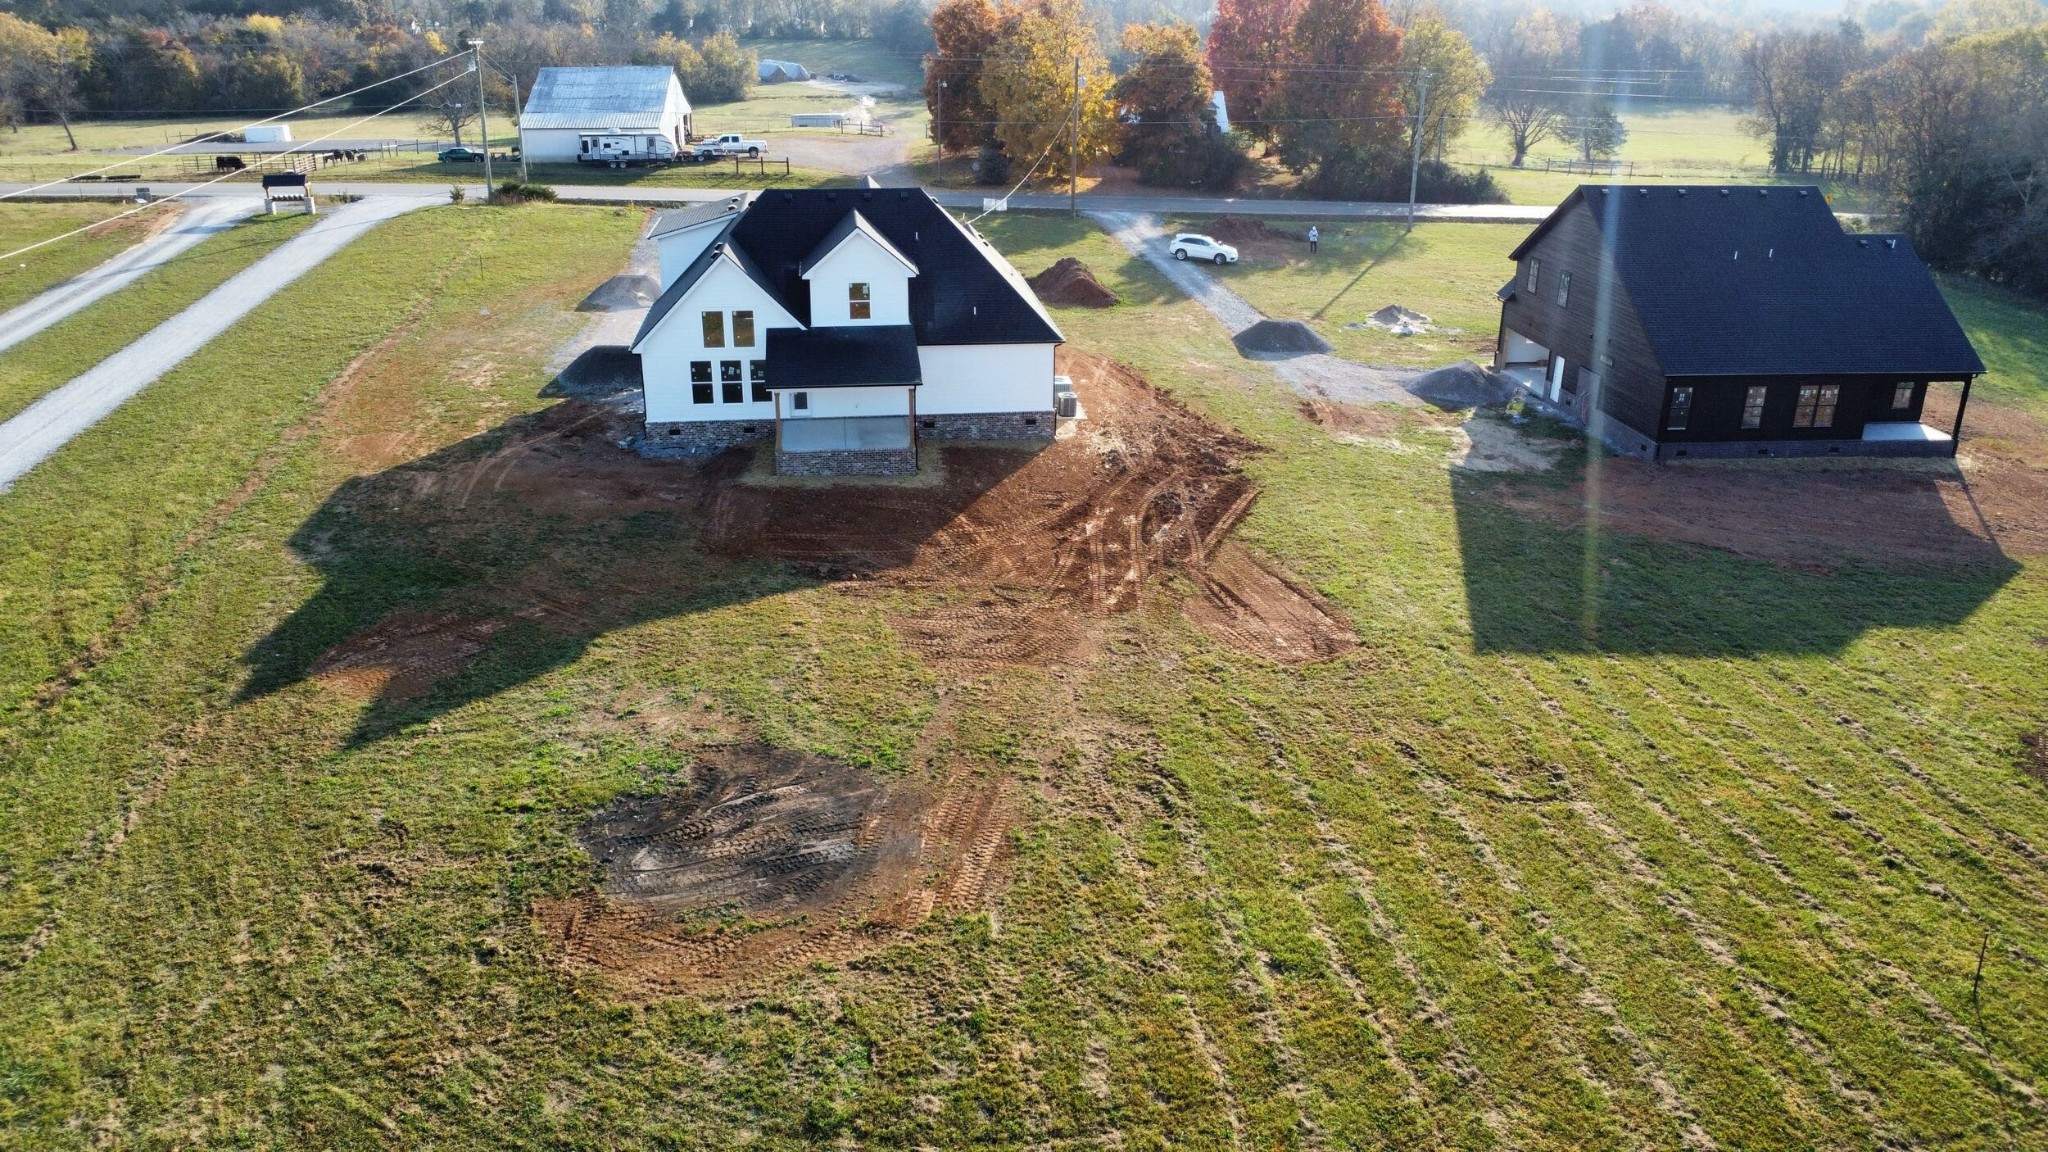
<point>859,302</point>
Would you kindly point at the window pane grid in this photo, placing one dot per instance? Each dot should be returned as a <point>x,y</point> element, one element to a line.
<point>1753,407</point>
<point>858,305</point>
<point>1681,409</point>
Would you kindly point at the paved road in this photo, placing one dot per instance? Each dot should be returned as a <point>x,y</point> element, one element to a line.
<point>202,219</point>
<point>51,422</point>
<point>646,194</point>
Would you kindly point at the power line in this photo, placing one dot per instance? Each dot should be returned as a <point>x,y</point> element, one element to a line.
<point>168,197</point>
<point>226,131</point>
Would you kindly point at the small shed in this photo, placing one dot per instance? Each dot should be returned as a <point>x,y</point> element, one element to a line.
<point>782,71</point>
<point>567,103</point>
<point>816,119</point>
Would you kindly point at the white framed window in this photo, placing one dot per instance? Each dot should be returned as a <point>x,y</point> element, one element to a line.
<point>801,401</point>
<point>859,302</point>
<point>714,329</point>
<point>743,329</point>
<point>1816,407</point>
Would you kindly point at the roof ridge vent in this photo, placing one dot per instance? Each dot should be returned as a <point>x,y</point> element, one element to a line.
<point>1724,191</point>
<point>1681,191</point>
<point>1892,242</point>
<point>1863,243</point>
<point>1763,191</point>
<point>1642,191</point>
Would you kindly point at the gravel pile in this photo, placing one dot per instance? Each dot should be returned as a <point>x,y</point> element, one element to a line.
<point>1269,339</point>
<point>621,294</point>
<point>1462,385</point>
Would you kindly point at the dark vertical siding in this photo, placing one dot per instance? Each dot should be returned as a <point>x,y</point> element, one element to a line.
<point>1718,400</point>
<point>1632,385</point>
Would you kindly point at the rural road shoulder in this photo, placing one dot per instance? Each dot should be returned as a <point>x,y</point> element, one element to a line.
<point>652,195</point>
<point>51,422</point>
<point>203,218</point>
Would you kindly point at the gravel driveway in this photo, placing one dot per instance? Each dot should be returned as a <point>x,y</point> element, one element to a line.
<point>51,422</point>
<point>1319,376</point>
<point>202,218</point>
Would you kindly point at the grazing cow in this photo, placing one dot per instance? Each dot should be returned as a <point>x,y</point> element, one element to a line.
<point>228,164</point>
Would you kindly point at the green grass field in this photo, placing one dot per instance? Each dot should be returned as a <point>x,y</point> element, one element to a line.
<point>1596,841</point>
<point>1683,144</point>
<point>69,347</point>
<point>30,273</point>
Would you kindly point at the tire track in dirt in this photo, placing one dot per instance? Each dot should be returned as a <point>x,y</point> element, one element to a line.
<point>1835,930</point>
<point>1723,952</point>
<point>1109,799</point>
<point>1647,1066</point>
<point>98,846</point>
<point>1254,981</point>
<point>1363,887</point>
<point>1863,1101</point>
<point>2012,841</point>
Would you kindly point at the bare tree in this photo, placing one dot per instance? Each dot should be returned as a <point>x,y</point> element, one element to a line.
<point>448,111</point>
<point>1524,98</point>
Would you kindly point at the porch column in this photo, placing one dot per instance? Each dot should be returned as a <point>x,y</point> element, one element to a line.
<point>778,421</point>
<point>1955,438</point>
<point>911,391</point>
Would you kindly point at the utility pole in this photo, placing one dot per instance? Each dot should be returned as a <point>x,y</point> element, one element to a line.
<point>483,110</point>
<point>1074,147</point>
<point>1415,162</point>
<point>941,133</point>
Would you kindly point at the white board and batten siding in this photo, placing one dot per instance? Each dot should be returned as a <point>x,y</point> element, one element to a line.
<point>667,352</point>
<point>966,378</point>
<point>859,260</point>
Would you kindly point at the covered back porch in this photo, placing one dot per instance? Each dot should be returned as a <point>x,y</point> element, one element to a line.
<point>845,400</point>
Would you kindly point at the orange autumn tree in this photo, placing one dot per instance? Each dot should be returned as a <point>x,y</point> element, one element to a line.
<point>1248,43</point>
<point>1341,98</point>
<point>964,34</point>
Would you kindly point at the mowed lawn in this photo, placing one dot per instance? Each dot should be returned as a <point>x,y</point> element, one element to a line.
<point>88,336</point>
<point>1594,842</point>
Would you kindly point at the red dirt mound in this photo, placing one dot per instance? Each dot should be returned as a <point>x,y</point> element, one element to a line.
<point>1071,282</point>
<point>1243,230</point>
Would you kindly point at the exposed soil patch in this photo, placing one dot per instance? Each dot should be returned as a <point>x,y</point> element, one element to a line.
<point>1030,545</point>
<point>825,861</point>
<point>1071,282</point>
<point>1486,444</point>
<point>1018,553</point>
<point>1259,608</point>
<point>1903,514</point>
<point>403,655</point>
<point>2035,760</point>
<point>1252,236</point>
<point>1269,339</point>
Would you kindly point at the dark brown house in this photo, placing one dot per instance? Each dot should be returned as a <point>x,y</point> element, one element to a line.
<point>1737,321</point>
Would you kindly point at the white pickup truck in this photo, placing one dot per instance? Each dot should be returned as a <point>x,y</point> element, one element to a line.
<point>730,144</point>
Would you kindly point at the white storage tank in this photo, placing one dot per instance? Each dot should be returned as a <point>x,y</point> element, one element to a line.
<point>267,134</point>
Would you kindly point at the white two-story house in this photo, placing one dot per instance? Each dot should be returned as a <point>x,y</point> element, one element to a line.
<point>843,324</point>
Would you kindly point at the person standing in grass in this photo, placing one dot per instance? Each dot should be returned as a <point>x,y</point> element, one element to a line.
<point>1313,237</point>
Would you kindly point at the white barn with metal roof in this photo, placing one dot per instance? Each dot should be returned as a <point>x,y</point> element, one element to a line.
<point>568,103</point>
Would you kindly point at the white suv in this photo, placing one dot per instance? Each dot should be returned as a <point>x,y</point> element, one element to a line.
<point>1195,246</point>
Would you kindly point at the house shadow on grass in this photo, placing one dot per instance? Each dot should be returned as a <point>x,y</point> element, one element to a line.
<point>474,569</point>
<point>1689,561</point>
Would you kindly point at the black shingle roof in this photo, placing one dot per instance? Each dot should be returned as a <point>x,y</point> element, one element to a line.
<point>1757,281</point>
<point>964,291</point>
<point>681,218</point>
<point>852,356</point>
<point>849,224</point>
